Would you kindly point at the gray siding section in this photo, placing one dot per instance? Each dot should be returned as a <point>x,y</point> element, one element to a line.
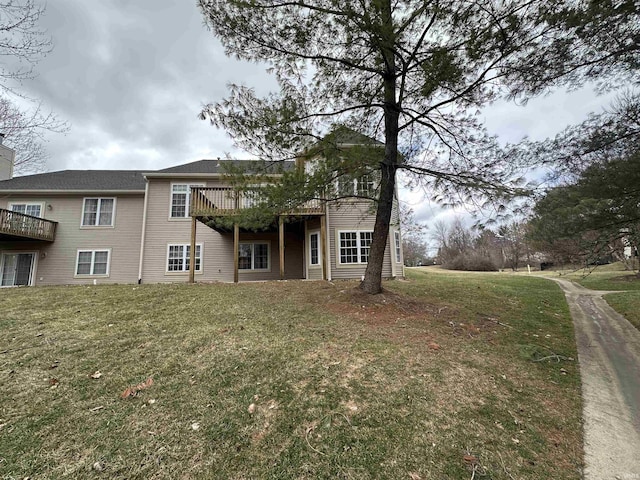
<point>57,261</point>
<point>352,215</point>
<point>314,272</point>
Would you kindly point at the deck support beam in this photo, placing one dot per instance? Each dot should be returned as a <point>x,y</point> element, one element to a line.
<point>281,245</point>
<point>323,245</point>
<point>192,254</point>
<point>236,248</point>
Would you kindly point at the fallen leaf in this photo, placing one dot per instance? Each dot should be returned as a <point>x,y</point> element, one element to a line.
<point>433,346</point>
<point>96,374</point>
<point>470,459</point>
<point>132,391</point>
<point>414,476</point>
<point>128,392</point>
<point>252,408</point>
<point>53,382</point>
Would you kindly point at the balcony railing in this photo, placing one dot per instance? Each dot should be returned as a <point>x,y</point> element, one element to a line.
<point>16,224</point>
<point>221,201</point>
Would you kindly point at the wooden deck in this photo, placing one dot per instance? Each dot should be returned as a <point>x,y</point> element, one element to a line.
<point>211,203</point>
<point>226,201</point>
<point>18,226</point>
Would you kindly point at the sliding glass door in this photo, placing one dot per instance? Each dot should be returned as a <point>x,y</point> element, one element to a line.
<point>17,269</point>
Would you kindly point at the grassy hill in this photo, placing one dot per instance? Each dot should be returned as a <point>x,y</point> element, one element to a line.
<point>444,376</point>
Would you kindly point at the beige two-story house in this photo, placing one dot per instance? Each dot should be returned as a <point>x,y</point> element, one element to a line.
<point>130,226</point>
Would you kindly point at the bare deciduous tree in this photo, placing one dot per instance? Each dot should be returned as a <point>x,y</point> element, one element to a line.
<point>22,45</point>
<point>22,42</point>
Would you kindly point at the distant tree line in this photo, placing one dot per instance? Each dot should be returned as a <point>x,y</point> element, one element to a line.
<point>482,249</point>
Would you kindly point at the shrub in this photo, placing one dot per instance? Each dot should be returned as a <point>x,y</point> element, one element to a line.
<point>471,262</point>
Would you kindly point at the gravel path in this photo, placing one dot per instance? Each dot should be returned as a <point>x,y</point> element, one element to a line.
<point>609,355</point>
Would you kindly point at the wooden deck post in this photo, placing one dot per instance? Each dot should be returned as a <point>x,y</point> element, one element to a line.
<point>192,254</point>
<point>236,248</point>
<point>323,245</point>
<point>281,245</point>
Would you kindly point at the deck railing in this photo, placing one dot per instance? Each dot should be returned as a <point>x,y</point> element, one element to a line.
<point>220,201</point>
<point>27,226</point>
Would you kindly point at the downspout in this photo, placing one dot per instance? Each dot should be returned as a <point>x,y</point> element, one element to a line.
<point>144,229</point>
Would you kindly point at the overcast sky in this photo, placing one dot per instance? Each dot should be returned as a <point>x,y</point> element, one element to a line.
<point>130,78</point>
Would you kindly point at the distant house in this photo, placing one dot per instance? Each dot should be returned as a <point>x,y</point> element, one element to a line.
<point>132,226</point>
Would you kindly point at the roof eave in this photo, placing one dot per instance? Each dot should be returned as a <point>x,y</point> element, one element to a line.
<point>201,175</point>
<point>69,191</point>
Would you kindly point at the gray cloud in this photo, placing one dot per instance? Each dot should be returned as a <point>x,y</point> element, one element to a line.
<point>130,77</point>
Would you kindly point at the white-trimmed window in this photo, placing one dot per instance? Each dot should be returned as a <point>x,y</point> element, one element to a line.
<point>346,186</point>
<point>366,185</point>
<point>396,239</point>
<point>254,256</point>
<point>315,255</point>
<point>98,212</point>
<point>363,186</point>
<point>93,262</point>
<point>181,199</point>
<point>27,208</point>
<point>354,246</point>
<point>179,256</point>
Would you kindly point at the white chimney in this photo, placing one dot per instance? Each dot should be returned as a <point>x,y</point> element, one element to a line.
<point>7,157</point>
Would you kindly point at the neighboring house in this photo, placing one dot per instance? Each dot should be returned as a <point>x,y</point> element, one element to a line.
<point>101,226</point>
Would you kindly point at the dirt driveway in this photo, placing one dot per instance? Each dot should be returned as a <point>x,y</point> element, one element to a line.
<point>609,355</point>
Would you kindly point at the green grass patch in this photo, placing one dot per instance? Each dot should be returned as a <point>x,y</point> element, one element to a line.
<point>440,376</point>
<point>604,277</point>
<point>627,304</point>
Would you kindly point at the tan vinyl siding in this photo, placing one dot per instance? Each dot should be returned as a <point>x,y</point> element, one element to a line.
<point>397,267</point>
<point>350,216</point>
<point>57,260</point>
<point>292,257</point>
<point>217,263</point>
<point>161,231</point>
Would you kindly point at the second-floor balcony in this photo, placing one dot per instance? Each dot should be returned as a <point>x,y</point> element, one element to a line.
<point>226,201</point>
<point>18,226</point>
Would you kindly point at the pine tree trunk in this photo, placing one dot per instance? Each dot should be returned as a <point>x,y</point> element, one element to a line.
<point>372,283</point>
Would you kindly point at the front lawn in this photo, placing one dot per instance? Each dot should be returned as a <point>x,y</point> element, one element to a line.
<point>442,377</point>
